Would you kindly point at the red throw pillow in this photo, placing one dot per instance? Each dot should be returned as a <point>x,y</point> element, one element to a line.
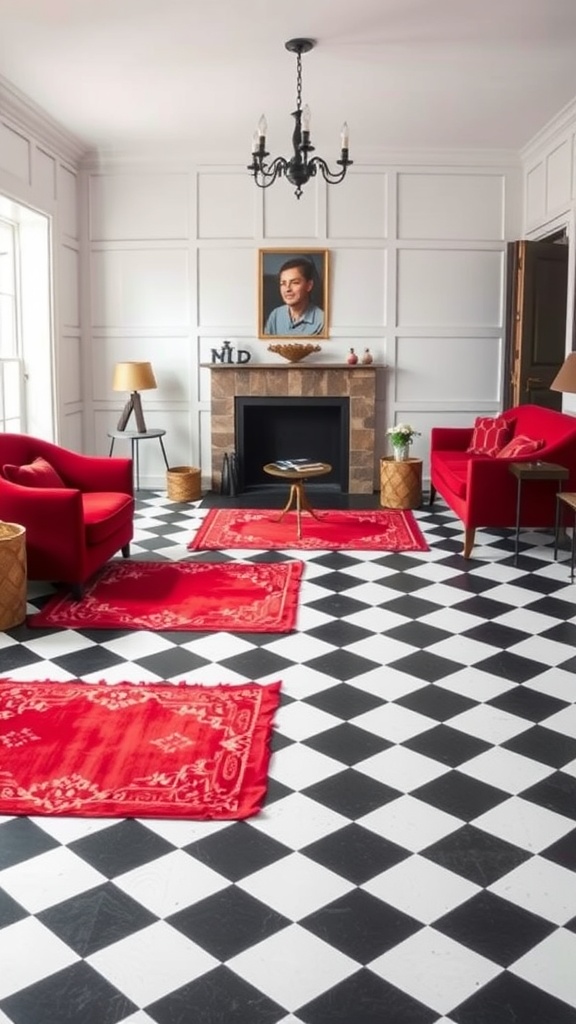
<point>37,474</point>
<point>490,435</point>
<point>520,445</point>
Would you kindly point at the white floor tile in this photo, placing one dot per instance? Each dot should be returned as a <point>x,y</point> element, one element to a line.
<point>541,887</point>
<point>293,967</point>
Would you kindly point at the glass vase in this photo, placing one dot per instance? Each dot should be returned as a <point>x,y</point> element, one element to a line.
<point>401,452</point>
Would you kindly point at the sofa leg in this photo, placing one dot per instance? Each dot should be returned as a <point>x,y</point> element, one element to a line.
<point>469,534</point>
<point>76,591</point>
<point>126,551</point>
<point>432,495</point>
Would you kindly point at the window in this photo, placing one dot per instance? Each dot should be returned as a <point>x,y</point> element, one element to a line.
<point>11,369</point>
<point>8,278</point>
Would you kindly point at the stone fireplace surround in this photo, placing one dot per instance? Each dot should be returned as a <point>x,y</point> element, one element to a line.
<point>357,383</point>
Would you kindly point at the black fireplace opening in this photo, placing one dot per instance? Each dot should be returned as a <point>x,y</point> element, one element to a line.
<point>267,429</point>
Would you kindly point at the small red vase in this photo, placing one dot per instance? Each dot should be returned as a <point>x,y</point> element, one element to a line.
<point>352,358</point>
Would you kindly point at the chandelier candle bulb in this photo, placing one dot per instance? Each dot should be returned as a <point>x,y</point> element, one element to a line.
<point>344,136</point>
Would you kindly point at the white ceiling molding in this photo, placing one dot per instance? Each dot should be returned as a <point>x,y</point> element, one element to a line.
<point>44,129</point>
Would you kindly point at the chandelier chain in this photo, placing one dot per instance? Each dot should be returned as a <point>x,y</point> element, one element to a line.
<point>299,81</point>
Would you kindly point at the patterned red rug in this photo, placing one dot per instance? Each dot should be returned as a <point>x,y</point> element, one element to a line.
<point>127,750</point>
<point>372,530</point>
<point>240,597</point>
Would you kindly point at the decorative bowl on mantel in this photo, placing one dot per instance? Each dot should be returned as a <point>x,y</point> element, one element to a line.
<point>293,351</point>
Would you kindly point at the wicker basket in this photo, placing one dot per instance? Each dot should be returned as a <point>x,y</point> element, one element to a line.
<point>400,483</point>
<point>183,483</point>
<point>12,575</point>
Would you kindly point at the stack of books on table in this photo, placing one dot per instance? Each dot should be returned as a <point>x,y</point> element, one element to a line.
<point>298,464</point>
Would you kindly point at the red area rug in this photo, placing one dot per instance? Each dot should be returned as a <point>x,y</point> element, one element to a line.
<point>376,530</point>
<point>200,596</point>
<point>143,751</point>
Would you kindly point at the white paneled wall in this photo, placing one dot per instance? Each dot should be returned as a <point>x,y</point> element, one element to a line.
<point>158,260</point>
<point>416,274</point>
<point>550,173</point>
<point>549,166</point>
<point>39,190</point>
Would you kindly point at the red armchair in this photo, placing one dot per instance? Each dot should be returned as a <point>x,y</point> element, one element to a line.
<point>482,491</point>
<point>78,510</point>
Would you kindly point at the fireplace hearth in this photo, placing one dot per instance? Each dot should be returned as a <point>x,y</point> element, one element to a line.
<point>307,386</point>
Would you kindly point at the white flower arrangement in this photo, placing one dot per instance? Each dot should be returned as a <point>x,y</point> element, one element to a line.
<point>402,434</point>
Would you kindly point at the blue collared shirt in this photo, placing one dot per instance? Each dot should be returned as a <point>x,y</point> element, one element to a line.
<point>280,322</point>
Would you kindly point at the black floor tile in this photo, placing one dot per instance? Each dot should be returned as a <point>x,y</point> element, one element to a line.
<point>351,793</point>
<point>228,922</point>
<point>237,851</point>
<point>78,995</point>
<point>220,995</point>
<point>368,999</point>
<point>494,928</point>
<point>361,926</point>
<point>355,853</point>
<point>507,998</point>
<point>121,847</point>
<point>96,919</point>
<point>21,839</point>
<point>476,855</point>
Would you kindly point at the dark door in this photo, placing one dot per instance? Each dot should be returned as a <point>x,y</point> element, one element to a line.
<point>537,278</point>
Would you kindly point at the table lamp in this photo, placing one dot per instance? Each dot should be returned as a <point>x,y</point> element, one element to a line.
<point>133,377</point>
<point>565,379</point>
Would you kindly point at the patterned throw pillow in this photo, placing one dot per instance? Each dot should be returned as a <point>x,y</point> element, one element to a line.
<point>37,474</point>
<point>520,445</point>
<point>490,435</point>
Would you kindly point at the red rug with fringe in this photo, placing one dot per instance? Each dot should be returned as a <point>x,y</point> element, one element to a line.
<point>240,597</point>
<point>135,750</point>
<point>339,530</point>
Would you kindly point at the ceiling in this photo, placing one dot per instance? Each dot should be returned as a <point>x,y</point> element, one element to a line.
<point>405,74</point>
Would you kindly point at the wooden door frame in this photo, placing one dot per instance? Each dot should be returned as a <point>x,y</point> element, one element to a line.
<point>564,222</point>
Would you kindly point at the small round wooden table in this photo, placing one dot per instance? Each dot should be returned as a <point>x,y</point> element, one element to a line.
<point>297,497</point>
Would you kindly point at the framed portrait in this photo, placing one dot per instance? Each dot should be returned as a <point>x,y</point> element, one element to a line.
<point>293,293</point>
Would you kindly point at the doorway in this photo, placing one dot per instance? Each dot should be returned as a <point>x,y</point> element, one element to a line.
<point>536,304</point>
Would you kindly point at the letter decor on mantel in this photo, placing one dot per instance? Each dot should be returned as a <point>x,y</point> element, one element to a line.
<point>226,354</point>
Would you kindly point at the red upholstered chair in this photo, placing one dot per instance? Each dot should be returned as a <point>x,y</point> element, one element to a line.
<point>78,510</point>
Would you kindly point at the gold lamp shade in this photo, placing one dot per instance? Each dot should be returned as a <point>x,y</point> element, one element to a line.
<point>565,379</point>
<point>133,377</point>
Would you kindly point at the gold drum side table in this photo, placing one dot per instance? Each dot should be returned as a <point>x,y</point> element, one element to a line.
<point>400,483</point>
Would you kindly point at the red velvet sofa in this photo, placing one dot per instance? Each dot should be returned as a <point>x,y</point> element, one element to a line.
<point>72,528</point>
<point>482,491</point>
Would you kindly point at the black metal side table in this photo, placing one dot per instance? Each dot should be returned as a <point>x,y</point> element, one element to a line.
<point>533,471</point>
<point>569,499</point>
<point>134,436</point>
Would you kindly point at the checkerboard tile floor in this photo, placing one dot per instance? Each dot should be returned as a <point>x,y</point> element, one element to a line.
<point>416,859</point>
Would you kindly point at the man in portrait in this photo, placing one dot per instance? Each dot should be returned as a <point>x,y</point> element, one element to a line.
<point>298,314</point>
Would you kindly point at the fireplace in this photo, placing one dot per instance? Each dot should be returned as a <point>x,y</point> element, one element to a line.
<point>309,385</point>
<point>268,429</point>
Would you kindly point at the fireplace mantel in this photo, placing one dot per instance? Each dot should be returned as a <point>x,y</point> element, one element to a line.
<point>357,383</point>
<point>288,366</point>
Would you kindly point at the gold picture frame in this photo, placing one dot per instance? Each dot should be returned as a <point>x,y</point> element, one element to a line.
<point>274,318</point>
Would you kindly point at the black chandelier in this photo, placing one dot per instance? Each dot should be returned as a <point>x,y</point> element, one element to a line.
<point>300,167</point>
